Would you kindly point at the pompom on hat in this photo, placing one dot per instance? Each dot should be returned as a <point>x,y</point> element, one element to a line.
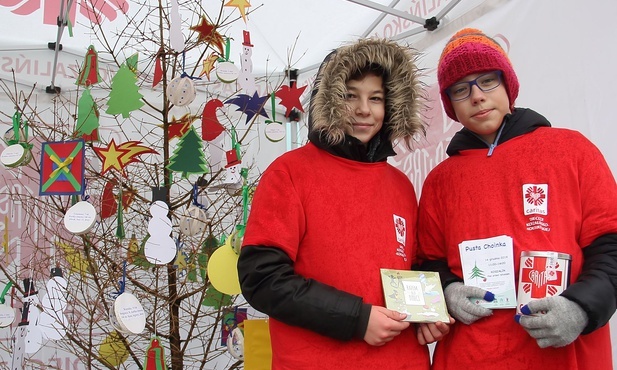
<point>470,51</point>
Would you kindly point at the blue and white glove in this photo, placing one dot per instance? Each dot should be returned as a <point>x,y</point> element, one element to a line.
<point>457,299</point>
<point>556,321</point>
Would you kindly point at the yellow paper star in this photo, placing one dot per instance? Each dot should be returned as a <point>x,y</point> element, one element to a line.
<point>241,5</point>
<point>208,65</point>
<point>111,156</point>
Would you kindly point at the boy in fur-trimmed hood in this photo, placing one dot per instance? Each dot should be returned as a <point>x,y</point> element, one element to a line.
<point>327,216</point>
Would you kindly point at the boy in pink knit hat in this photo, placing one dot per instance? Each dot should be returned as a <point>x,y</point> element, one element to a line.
<point>510,174</point>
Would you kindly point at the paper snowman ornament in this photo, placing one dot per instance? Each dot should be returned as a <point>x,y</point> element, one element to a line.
<point>34,336</point>
<point>181,91</point>
<point>233,167</point>
<point>160,247</point>
<point>246,80</point>
<point>52,320</point>
<point>194,221</point>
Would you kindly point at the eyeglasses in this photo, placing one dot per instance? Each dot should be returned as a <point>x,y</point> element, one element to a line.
<point>486,82</point>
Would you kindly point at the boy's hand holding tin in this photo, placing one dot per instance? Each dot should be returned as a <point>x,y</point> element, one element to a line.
<point>553,321</point>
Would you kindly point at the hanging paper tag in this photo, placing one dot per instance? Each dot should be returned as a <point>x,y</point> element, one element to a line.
<point>80,218</point>
<point>227,72</point>
<point>7,315</point>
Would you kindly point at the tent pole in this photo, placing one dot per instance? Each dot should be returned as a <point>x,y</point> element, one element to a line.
<point>388,10</point>
<point>62,17</point>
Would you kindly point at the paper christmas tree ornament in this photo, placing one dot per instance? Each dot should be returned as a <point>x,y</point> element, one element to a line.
<point>87,115</point>
<point>112,350</point>
<point>124,96</point>
<point>189,156</point>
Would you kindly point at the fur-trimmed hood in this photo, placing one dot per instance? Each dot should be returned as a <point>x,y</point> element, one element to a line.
<point>405,97</point>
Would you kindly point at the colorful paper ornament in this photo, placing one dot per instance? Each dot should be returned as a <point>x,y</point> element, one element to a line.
<point>179,127</point>
<point>290,97</point>
<point>235,344</point>
<point>34,337</point>
<point>181,91</point>
<point>216,299</point>
<point>7,313</point>
<point>124,96</point>
<point>223,270</point>
<point>226,70</point>
<point>211,128</point>
<point>132,62</point>
<point>158,69</point>
<point>207,33</point>
<point>189,156</point>
<point>87,115</point>
<point>112,350</point>
<point>241,5</point>
<point>246,80</point>
<point>77,261</point>
<point>275,131</point>
<point>18,152</point>
<point>249,105</point>
<point>89,74</point>
<point>208,65</point>
<point>155,356</point>
<point>119,156</point>
<point>194,221</point>
<point>232,318</point>
<point>109,205</point>
<point>62,168</point>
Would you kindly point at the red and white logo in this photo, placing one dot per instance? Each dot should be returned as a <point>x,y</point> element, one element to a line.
<point>535,199</point>
<point>400,228</point>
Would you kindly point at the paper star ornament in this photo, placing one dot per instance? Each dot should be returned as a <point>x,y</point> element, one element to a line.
<point>179,127</point>
<point>290,97</point>
<point>241,5</point>
<point>207,33</point>
<point>208,65</point>
<point>119,156</point>
<point>249,105</point>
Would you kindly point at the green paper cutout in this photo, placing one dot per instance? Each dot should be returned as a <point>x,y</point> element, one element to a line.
<point>216,299</point>
<point>87,115</point>
<point>124,96</point>
<point>189,156</point>
<point>131,62</point>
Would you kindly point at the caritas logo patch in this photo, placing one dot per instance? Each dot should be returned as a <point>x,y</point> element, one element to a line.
<point>535,199</point>
<point>400,227</point>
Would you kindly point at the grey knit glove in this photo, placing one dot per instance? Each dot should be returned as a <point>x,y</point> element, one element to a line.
<point>458,297</point>
<point>556,321</point>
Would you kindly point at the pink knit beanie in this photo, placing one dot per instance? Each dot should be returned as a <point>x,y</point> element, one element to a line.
<point>470,51</point>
